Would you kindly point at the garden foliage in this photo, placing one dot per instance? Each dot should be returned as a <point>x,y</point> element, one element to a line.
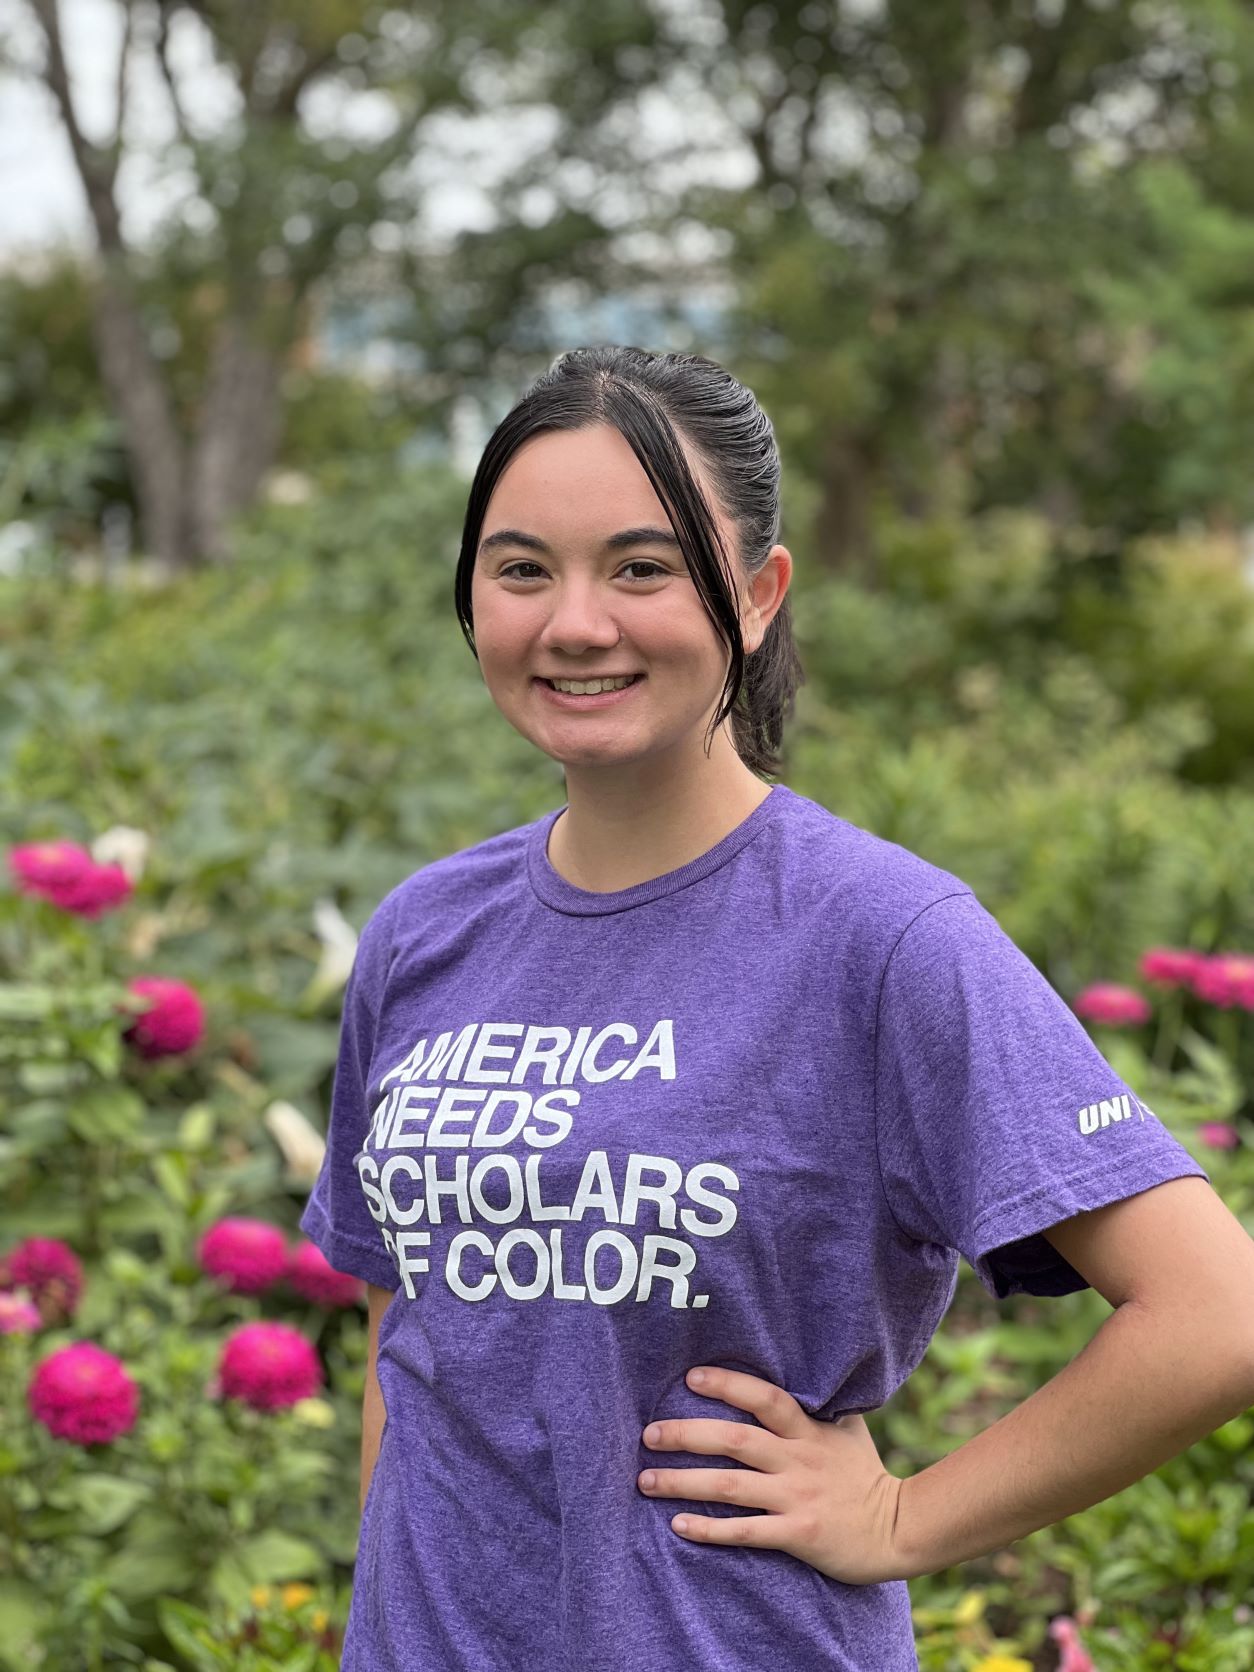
<point>206,788</point>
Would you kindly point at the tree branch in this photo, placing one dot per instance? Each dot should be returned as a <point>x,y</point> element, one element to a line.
<point>96,174</point>
<point>165,9</point>
<point>115,145</point>
<point>284,101</point>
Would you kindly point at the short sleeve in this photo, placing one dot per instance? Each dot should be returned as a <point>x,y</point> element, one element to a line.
<point>996,1114</point>
<point>336,1216</point>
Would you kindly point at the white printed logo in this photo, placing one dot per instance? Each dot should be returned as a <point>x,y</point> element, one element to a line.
<point>1105,1113</point>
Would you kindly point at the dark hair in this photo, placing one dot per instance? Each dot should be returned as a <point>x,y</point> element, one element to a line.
<point>648,397</point>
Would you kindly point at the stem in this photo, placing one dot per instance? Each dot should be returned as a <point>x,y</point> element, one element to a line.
<point>1170,1020</point>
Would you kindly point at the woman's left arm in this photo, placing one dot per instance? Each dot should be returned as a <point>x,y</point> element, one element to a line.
<point>1172,1363</point>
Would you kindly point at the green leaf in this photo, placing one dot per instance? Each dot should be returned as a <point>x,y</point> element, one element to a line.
<point>22,1003</point>
<point>197,1127</point>
<point>171,1173</point>
<point>50,1076</point>
<point>273,1556</point>
<point>156,1557</point>
<point>1235,1436</point>
<point>191,1634</point>
<point>106,1501</point>
<point>22,1616</point>
<point>107,1114</point>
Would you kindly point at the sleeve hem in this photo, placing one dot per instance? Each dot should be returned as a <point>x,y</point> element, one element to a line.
<point>1031,1212</point>
<point>348,1254</point>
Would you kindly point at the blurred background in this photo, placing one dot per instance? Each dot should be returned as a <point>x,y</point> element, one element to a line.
<point>270,273</point>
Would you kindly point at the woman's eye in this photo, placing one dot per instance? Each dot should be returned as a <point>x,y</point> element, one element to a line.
<point>511,569</point>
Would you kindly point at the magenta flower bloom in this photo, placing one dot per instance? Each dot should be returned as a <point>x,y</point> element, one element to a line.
<point>1170,966</point>
<point>1219,1134</point>
<point>311,1274</point>
<point>1226,979</point>
<point>1111,1004</point>
<point>68,876</point>
<point>44,868</point>
<point>1075,1657</point>
<point>174,1021</point>
<point>268,1366</point>
<point>95,891</point>
<point>83,1394</point>
<point>50,1272</point>
<point>18,1316</point>
<point>248,1255</point>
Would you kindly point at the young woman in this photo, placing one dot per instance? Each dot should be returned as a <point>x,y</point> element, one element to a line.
<point>659,1125</point>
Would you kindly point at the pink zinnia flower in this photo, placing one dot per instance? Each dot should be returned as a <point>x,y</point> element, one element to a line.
<point>1075,1657</point>
<point>1219,1134</point>
<point>44,868</point>
<point>268,1366</point>
<point>95,891</point>
<point>1226,979</point>
<point>1169,966</point>
<point>83,1394</point>
<point>311,1274</point>
<point>18,1316</point>
<point>50,1271</point>
<point>173,1022</point>
<point>248,1255</point>
<point>1116,1006</point>
<point>68,876</point>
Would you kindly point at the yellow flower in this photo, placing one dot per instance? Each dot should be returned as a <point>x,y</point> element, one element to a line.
<point>969,1611</point>
<point>1002,1663</point>
<point>319,1619</point>
<point>317,1413</point>
<point>293,1595</point>
<point>259,1596</point>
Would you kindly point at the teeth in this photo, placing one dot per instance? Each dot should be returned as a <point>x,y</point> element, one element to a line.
<point>590,687</point>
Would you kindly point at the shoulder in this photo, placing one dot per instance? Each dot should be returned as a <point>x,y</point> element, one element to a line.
<point>485,866</point>
<point>872,885</point>
<point>442,892</point>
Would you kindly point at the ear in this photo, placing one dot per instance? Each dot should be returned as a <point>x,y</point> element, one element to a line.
<point>765,593</point>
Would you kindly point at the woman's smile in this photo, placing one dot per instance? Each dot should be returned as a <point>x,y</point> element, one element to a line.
<point>587,699</point>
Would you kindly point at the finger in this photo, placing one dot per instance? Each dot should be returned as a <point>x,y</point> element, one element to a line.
<point>757,1447</point>
<point>714,1486</point>
<point>760,1532</point>
<point>774,1407</point>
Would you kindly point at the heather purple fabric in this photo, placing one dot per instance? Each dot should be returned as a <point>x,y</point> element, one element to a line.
<point>747,1113</point>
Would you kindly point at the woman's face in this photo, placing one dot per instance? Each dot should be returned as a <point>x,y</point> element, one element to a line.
<point>570,583</point>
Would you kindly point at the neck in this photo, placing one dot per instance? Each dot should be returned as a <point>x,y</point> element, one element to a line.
<point>623,828</point>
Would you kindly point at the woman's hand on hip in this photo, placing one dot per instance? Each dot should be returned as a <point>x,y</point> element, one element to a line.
<point>828,1498</point>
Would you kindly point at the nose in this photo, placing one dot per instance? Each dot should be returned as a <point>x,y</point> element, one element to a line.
<point>580,619</point>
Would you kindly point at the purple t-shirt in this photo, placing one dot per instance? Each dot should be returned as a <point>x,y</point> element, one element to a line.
<point>746,1113</point>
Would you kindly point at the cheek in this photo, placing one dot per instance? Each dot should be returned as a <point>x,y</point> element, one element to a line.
<point>501,624</point>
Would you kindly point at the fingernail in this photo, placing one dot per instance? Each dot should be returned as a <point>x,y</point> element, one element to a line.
<point>652,1434</point>
<point>696,1377</point>
<point>647,1479</point>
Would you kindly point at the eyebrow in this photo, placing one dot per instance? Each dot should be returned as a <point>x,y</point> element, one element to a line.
<point>646,535</point>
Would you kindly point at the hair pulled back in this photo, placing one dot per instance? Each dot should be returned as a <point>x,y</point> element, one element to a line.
<point>652,398</point>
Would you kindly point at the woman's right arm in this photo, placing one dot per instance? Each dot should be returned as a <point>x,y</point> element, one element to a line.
<point>372,1407</point>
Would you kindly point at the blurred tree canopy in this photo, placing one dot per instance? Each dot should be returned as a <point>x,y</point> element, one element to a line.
<point>968,256</point>
<point>332,107</point>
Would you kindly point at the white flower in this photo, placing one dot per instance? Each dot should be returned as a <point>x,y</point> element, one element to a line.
<point>289,487</point>
<point>125,846</point>
<point>303,1148</point>
<point>339,948</point>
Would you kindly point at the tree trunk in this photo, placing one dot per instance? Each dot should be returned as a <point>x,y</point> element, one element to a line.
<point>843,531</point>
<point>138,394</point>
<point>237,435</point>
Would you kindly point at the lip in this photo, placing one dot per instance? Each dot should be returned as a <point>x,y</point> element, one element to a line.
<point>601,699</point>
